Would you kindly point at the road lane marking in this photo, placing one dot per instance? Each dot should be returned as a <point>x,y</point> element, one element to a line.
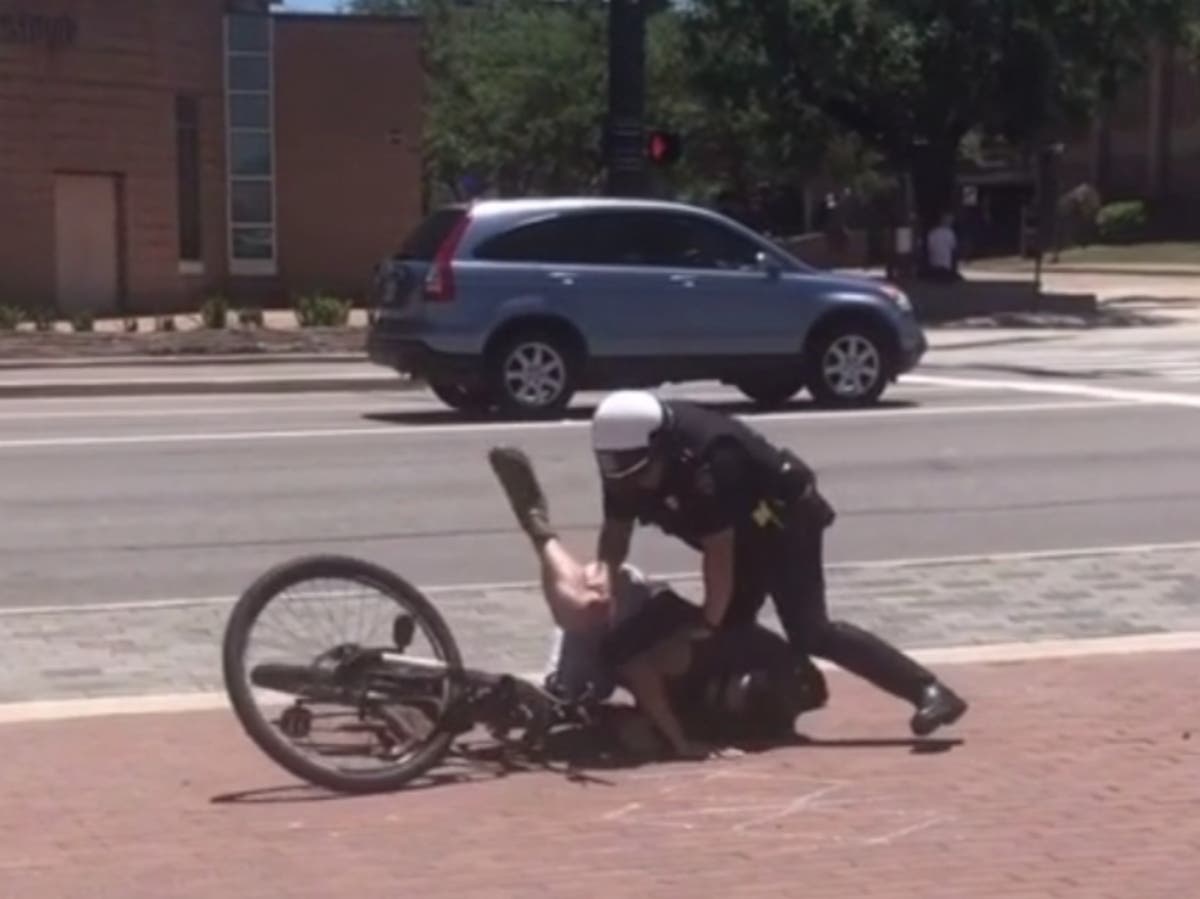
<point>975,654</point>
<point>1039,555</point>
<point>185,412</point>
<point>1057,388</point>
<point>294,404</point>
<point>803,416</point>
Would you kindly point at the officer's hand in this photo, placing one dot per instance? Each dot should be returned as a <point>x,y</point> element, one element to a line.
<point>597,578</point>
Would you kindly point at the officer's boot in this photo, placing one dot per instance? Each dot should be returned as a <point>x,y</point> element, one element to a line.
<point>515,473</point>
<point>938,706</point>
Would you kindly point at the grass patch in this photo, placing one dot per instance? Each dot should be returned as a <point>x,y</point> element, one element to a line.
<point>1158,253</point>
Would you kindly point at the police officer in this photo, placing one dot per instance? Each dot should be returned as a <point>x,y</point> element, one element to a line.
<point>753,510</point>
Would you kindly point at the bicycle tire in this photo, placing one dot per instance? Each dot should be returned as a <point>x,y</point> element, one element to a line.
<point>264,735</point>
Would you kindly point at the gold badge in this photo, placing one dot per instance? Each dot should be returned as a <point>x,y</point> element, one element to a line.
<point>764,515</point>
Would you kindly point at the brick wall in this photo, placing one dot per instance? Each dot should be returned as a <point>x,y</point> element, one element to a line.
<point>348,131</point>
<point>105,104</point>
<point>1117,154</point>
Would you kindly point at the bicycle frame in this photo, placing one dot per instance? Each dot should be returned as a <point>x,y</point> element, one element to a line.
<point>373,678</point>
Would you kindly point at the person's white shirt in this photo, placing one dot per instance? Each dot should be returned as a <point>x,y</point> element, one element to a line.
<point>575,657</point>
<point>941,245</point>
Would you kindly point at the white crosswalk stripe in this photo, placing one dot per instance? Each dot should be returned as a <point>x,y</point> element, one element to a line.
<point>1176,364</point>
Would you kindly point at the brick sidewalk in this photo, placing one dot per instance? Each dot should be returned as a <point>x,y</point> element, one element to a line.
<point>1075,779</point>
<point>167,649</point>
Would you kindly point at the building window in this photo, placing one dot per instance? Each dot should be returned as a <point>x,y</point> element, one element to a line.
<point>250,145</point>
<point>187,152</point>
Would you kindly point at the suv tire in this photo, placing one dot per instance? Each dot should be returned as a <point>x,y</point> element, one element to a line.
<point>461,397</point>
<point>532,373</point>
<point>771,391</point>
<point>847,365</point>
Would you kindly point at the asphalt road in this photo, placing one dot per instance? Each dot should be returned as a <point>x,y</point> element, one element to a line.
<point>146,499</point>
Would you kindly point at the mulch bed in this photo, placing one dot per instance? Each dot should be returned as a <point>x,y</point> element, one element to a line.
<point>60,345</point>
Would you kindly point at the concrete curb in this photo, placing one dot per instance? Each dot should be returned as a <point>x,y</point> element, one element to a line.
<point>216,385</point>
<point>1132,271</point>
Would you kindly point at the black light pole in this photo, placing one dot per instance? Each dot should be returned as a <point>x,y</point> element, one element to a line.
<point>625,126</point>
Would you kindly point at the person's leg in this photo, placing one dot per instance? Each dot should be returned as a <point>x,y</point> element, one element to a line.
<point>515,473</point>
<point>798,589</point>
<point>574,605</point>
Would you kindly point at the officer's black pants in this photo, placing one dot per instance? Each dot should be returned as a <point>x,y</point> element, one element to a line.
<point>788,564</point>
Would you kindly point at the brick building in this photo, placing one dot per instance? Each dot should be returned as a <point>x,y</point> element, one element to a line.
<point>155,151</point>
<point>1148,146</point>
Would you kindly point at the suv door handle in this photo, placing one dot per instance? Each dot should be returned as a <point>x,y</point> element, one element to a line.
<point>567,278</point>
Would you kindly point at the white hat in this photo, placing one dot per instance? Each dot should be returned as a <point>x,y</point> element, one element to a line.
<point>623,428</point>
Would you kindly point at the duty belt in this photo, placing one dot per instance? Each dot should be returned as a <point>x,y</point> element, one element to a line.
<point>795,483</point>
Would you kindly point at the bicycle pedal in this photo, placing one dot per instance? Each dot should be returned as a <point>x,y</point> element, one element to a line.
<point>404,628</point>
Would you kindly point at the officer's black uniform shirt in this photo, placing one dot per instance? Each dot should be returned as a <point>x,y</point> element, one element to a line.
<point>717,471</point>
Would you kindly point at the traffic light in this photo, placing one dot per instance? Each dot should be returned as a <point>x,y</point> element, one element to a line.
<point>663,147</point>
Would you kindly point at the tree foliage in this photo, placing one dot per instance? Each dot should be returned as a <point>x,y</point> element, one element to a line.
<point>516,94</point>
<point>768,90</point>
<point>913,77</point>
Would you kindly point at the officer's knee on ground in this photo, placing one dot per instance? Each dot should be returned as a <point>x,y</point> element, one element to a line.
<point>758,707</point>
<point>806,687</point>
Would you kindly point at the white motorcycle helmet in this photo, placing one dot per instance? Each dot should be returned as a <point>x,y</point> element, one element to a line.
<point>623,431</point>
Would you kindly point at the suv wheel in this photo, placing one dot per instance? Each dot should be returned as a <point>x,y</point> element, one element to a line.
<point>533,374</point>
<point>847,366</point>
<point>771,391</point>
<point>461,397</point>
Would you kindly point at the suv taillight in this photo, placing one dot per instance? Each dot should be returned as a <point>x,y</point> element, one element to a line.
<point>439,282</point>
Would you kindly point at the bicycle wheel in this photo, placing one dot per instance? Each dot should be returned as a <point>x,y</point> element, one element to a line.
<point>287,590</point>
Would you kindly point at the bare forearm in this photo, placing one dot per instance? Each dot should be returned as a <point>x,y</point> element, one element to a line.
<point>649,689</point>
<point>613,548</point>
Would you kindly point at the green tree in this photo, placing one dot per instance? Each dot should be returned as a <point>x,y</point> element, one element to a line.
<point>516,97</point>
<point>740,133</point>
<point>913,77</point>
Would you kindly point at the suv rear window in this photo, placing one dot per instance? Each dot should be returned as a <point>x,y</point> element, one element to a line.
<point>423,241</point>
<point>547,240</point>
<point>648,238</point>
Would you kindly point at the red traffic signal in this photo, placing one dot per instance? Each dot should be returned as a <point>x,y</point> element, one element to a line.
<point>663,147</point>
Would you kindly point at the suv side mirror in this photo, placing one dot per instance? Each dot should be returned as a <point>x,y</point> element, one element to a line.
<point>767,265</point>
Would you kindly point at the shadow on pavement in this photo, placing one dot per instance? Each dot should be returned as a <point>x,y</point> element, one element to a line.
<point>578,755</point>
<point>451,416</point>
<point>1040,340</point>
<point>1034,371</point>
<point>917,745</point>
<point>448,775</point>
<point>1108,315</point>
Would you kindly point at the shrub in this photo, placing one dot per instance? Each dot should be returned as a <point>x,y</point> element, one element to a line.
<point>10,317</point>
<point>1122,222</point>
<point>131,325</point>
<point>43,318</point>
<point>322,311</point>
<point>250,317</point>
<point>215,312</point>
<point>82,322</point>
<point>165,323</point>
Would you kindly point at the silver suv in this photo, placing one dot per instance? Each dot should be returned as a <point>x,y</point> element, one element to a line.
<point>517,304</point>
